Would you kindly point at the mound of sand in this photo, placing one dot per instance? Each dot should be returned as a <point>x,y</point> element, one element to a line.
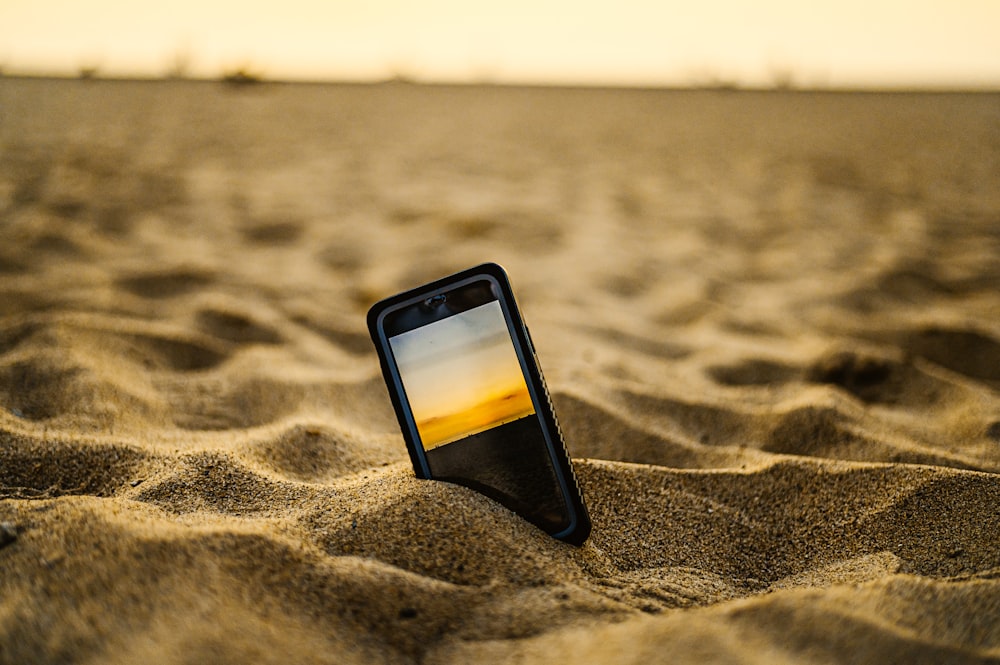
<point>771,325</point>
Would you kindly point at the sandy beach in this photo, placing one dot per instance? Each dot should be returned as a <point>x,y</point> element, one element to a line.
<point>770,322</point>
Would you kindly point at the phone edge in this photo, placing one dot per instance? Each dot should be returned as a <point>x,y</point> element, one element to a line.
<point>580,524</point>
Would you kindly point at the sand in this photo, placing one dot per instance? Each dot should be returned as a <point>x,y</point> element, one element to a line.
<point>770,323</point>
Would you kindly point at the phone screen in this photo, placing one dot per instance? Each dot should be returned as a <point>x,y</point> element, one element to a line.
<point>476,416</point>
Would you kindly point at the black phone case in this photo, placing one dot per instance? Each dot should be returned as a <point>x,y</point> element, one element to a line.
<point>580,529</point>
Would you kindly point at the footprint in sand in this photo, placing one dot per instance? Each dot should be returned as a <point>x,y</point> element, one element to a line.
<point>235,327</point>
<point>165,284</point>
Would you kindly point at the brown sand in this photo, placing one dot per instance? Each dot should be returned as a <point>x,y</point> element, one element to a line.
<point>771,324</point>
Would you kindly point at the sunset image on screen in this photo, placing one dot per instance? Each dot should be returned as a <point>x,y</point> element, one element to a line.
<point>461,375</point>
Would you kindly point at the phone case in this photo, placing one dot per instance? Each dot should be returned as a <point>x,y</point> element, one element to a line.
<point>579,520</point>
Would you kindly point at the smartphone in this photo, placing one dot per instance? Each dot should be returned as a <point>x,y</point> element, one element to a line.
<point>471,400</point>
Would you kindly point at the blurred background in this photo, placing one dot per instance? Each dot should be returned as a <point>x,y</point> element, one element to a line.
<point>717,43</point>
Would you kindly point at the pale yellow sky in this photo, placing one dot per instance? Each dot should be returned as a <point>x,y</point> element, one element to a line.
<point>943,43</point>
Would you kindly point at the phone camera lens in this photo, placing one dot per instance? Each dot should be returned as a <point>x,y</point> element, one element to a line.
<point>435,301</point>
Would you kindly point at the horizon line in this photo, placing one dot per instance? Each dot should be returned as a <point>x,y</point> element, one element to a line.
<point>242,77</point>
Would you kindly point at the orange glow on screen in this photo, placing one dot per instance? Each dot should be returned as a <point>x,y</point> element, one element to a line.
<point>494,410</point>
<point>461,375</point>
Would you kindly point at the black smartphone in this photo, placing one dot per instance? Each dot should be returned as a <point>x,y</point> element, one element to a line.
<point>470,398</point>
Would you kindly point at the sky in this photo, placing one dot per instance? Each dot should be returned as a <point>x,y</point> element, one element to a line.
<point>843,43</point>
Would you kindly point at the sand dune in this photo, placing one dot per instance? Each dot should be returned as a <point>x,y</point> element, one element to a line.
<point>769,323</point>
